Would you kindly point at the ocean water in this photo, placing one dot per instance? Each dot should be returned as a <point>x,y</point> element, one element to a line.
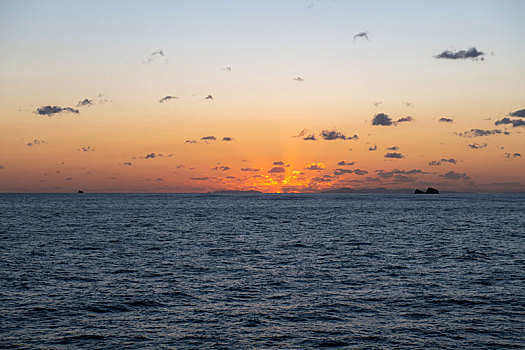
<point>123,271</point>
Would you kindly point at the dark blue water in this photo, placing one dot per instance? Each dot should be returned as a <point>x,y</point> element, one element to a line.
<point>262,271</point>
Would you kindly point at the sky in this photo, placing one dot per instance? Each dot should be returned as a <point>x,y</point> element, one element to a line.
<point>273,96</point>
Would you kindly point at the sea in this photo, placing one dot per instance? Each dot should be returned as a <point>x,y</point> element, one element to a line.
<point>262,271</point>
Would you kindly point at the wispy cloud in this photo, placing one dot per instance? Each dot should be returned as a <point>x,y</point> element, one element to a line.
<point>315,166</point>
<point>168,98</point>
<point>85,102</point>
<point>360,172</point>
<point>512,155</point>
<point>154,55</point>
<point>362,35</point>
<point>127,163</point>
<point>154,155</point>
<point>336,135</point>
<point>393,148</point>
<point>343,163</point>
<point>299,79</point>
<point>446,120</point>
<point>339,172</point>
<point>471,53</point>
<point>36,142</point>
<point>209,97</point>
<point>250,169</point>
<point>208,138</point>
<point>477,145</point>
<point>190,141</point>
<point>481,132</point>
<point>280,162</point>
<point>52,110</point>
<point>389,174</point>
<point>405,119</point>
<point>394,155</point>
<point>85,149</point>
<point>443,160</point>
<point>100,99</point>
<point>373,148</point>
<point>221,168</point>
<point>199,178</point>
<point>452,175</point>
<point>227,138</point>
<point>227,69</point>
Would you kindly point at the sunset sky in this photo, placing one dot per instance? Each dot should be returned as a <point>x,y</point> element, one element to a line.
<point>275,96</point>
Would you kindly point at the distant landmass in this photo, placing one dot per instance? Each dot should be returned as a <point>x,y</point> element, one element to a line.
<point>429,190</point>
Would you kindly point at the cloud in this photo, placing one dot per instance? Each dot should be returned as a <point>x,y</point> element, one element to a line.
<point>342,163</point>
<point>85,102</point>
<point>52,110</point>
<point>209,97</point>
<point>514,122</point>
<point>338,172</point>
<point>512,155</point>
<point>310,137</point>
<point>472,53</point>
<point>199,178</point>
<point>322,179</point>
<point>362,35</point>
<point>452,175</point>
<point>168,98</point>
<point>444,160</point>
<point>394,155</point>
<point>481,132</point>
<point>477,145</point>
<point>382,119</point>
<point>377,103</point>
<point>221,168</point>
<point>227,138</point>
<point>446,120</point>
<point>128,163</point>
<point>360,172</point>
<point>36,143</point>
<point>250,169</point>
<point>209,138</point>
<point>2,167</point>
<point>298,79</point>
<point>519,114</point>
<point>276,170</point>
<point>153,55</point>
<point>405,119</point>
<point>393,148</point>
<point>227,69</point>
<point>372,148</point>
<point>153,155</point>
<point>190,141</point>
<point>85,149</point>
<point>278,163</point>
<point>334,135</point>
<point>389,174</point>
<point>315,166</point>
